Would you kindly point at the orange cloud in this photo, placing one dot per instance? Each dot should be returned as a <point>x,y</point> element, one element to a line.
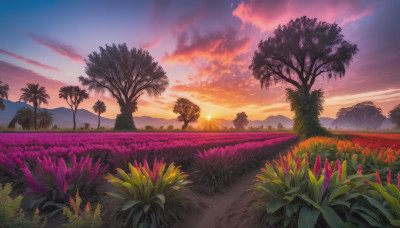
<point>32,62</point>
<point>223,45</point>
<point>267,15</point>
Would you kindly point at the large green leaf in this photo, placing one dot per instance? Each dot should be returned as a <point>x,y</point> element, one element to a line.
<point>130,203</point>
<point>307,217</point>
<point>275,204</point>
<point>332,218</point>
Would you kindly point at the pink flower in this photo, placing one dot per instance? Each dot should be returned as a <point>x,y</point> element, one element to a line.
<point>317,166</point>
<point>359,169</point>
<point>337,164</point>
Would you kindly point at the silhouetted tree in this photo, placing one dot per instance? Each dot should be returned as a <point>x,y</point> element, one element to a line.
<point>3,94</point>
<point>394,115</point>
<point>35,94</point>
<point>126,74</point>
<point>298,53</point>
<point>279,127</point>
<point>188,111</point>
<point>99,107</point>
<point>241,121</point>
<point>24,117</point>
<point>86,126</point>
<point>45,119</point>
<point>360,116</point>
<point>74,96</point>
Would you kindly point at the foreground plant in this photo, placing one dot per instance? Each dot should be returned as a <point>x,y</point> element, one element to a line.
<point>82,220</point>
<point>52,181</point>
<point>11,214</point>
<point>153,196</point>
<point>300,197</point>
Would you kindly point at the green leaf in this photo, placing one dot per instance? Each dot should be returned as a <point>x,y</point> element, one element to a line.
<point>274,205</point>
<point>130,203</point>
<point>116,194</point>
<point>332,218</point>
<point>307,217</point>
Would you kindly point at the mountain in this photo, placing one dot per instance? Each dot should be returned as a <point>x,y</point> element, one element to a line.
<point>326,121</point>
<point>272,121</point>
<point>63,117</point>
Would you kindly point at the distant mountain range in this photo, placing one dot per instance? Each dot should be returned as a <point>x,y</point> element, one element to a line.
<point>63,119</point>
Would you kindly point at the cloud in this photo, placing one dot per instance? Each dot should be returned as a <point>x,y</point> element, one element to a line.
<point>223,45</point>
<point>267,15</point>
<point>57,47</point>
<point>32,62</point>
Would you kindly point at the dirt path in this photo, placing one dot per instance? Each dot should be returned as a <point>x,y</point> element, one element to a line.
<point>235,207</point>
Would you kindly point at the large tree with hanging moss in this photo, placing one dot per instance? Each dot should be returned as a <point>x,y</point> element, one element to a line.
<point>297,54</point>
<point>126,74</point>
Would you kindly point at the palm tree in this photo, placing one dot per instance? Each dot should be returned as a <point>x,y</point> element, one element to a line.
<point>45,119</point>
<point>23,117</point>
<point>74,96</point>
<point>3,94</point>
<point>35,95</point>
<point>99,107</point>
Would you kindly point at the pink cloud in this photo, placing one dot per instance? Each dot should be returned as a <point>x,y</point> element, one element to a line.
<point>57,47</point>
<point>267,15</point>
<point>223,45</point>
<point>151,44</point>
<point>32,62</point>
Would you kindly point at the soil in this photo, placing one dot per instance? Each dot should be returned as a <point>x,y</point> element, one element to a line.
<point>235,207</point>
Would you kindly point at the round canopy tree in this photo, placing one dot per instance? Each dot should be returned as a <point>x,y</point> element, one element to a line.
<point>298,53</point>
<point>241,121</point>
<point>126,74</point>
<point>187,110</point>
<point>74,96</point>
<point>394,115</point>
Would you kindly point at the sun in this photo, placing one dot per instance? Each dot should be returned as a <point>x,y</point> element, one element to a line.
<point>208,117</point>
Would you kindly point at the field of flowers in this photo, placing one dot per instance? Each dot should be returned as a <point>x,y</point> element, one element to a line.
<point>55,170</point>
<point>352,182</point>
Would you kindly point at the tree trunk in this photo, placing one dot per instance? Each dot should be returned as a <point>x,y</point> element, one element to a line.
<point>98,124</point>
<point>73,116</point>
<point>34,116</point>
<point>184,126</point>
<point>124,120</point>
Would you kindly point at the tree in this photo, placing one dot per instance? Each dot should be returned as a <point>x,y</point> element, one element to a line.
<point>298,53</point>
<point>86,126</point>
<point>35,94</point>
<point>3,94</point>
<point>188,111</point>
<point>360,116</point>
<point>394,115</point>
<point>279,126</point>
<point>241,121</point>
<point>99,107</point>
<point>23,117</point>
<point>126,74</point>
<point>74,96</point>
<point>45,119</point>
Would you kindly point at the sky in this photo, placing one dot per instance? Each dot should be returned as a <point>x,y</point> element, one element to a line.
<point>204,46</point>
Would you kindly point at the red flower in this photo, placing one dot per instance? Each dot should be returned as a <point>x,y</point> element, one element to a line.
<point>378,178</point>
<point>389,177</point>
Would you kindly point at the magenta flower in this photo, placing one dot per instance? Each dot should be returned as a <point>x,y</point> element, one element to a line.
<point>337,164</point>
<point>359,169</point>
<point>328,174</point>
<point>317,166</point>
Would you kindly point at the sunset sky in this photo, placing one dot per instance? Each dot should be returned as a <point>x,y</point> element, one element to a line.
<point>204,46</point>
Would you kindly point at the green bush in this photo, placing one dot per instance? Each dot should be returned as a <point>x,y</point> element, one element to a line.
<point>153,197</point>
<point>79,220</point>
<point>299,197</point>
<point>11,214</point>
